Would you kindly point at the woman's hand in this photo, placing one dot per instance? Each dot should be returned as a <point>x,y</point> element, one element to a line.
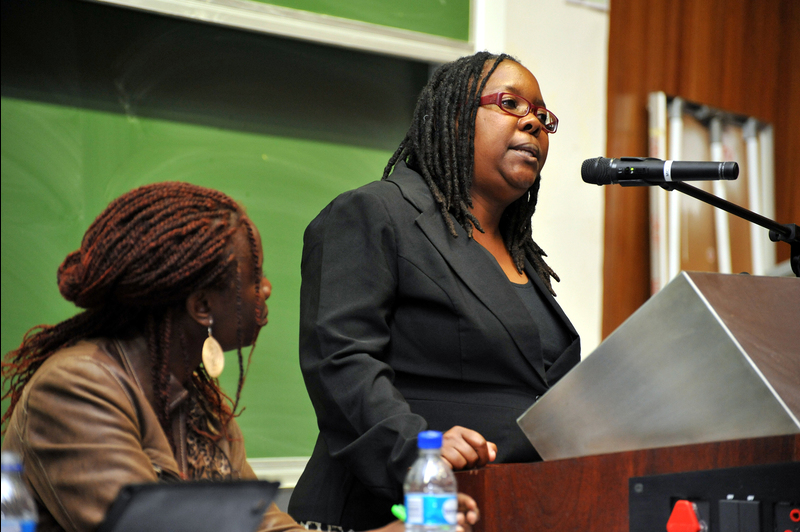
<point>465,449</point>
<point>468,515</point>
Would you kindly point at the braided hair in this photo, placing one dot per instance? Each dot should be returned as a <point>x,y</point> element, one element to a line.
<point>138,262</point>
<point>439,146</point>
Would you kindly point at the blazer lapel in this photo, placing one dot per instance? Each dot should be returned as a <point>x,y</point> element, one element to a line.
<point>475,267</point>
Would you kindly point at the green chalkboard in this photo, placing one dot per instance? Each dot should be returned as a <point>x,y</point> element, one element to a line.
<point>445,18</point>
<point>62,165</point>
<point>97,100</point>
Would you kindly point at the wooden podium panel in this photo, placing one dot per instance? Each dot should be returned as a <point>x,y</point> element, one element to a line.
<point>590,494</point>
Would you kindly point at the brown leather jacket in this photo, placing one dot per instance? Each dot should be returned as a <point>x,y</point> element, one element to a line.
<point>85,428</point>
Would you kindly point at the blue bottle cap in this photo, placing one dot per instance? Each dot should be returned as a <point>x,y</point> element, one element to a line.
<point>429,439</point>
<point>10,462</point>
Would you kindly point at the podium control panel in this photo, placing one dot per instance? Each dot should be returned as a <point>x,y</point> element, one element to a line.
<point>760,498</point>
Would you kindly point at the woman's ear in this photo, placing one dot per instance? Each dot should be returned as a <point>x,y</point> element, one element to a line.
<point>198,307</point>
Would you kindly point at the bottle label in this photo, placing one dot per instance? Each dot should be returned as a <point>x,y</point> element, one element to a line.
<point>431,508</point>
<point>19,525</point>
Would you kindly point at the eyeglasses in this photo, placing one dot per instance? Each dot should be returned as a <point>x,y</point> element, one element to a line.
<point>519,106</point>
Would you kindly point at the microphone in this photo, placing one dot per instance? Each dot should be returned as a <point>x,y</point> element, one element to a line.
<point>644,171</point>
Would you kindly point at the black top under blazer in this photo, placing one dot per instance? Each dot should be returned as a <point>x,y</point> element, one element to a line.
<point>404,328</point>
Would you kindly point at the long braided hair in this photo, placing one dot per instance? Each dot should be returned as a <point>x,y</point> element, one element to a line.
<point>138,262</point>
<point>439,146</point>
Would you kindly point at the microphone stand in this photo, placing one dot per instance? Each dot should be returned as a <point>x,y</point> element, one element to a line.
<point>788,233</point>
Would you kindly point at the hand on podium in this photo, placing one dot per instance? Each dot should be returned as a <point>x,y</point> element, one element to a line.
<point>463,448</point>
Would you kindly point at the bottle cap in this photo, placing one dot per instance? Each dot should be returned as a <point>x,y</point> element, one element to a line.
<point>10,461</point>
<point>429,439</point>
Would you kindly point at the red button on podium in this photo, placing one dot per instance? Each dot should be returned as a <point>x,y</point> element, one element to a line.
<point>684,518</point>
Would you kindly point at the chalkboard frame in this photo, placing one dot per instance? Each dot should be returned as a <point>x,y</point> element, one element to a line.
<point>319,28</point>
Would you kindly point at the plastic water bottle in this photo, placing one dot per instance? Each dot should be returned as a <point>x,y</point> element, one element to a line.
<point>18,509</point>
<point>430,489</point>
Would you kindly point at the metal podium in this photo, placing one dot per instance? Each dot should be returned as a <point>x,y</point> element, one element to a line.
<point>710,357</point>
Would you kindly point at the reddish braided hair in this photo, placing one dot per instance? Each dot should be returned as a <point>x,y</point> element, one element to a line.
<point>142,256</point>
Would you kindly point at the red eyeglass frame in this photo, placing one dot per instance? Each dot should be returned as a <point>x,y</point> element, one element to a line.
<point>497,98</point>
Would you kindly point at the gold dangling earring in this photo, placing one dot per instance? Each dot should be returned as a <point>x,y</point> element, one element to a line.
<point>213,357</point>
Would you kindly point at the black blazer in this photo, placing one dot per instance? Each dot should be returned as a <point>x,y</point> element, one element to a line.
<point>403,328</point>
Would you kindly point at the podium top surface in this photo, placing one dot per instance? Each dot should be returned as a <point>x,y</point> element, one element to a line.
<point>710,357</point>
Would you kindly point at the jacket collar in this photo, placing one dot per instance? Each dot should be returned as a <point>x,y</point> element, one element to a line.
<point>470,261</point>
<point>135,357</point>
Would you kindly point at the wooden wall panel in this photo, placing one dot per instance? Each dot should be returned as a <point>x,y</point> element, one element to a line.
<point>738,55</point>
<point>786,120</point>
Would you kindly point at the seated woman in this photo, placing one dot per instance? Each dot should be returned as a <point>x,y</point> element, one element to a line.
<point>126,392</point>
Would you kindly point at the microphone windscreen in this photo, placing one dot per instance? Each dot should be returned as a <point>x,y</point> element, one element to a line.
<point>730,170</point>
<point>596,171</point>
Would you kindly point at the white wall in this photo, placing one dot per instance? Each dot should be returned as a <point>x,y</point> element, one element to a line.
<point>565,46</point>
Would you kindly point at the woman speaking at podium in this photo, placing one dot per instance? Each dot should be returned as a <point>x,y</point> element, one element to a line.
<point>425,303</point>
